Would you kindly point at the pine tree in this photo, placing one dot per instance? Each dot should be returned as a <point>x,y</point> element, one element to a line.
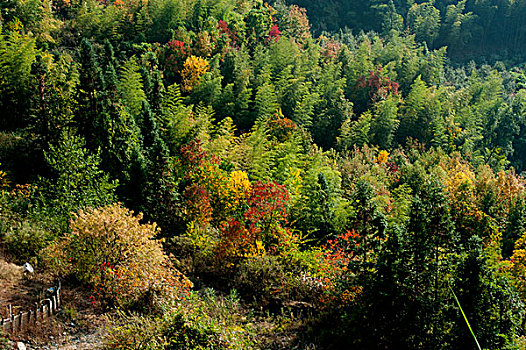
<point>91,83</point>
<point>392,20</point>
<point>223,140</point>
<point>253,154</point>
<point>355,133</point>
<point>78,181</point>
<point>265,103</point>
<point>420,109</point>
<point>333,107</point>
<point>53,107</point>
<point>242,89</point>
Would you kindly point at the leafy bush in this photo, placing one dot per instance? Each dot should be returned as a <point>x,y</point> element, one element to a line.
<point>24,230</point>
<point>202,321</point>
<point>111,250</point>
<point>24,241</point>
<point>262,278</point>
<point>133,331</point>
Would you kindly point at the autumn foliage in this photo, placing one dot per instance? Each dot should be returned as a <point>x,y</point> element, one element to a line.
<point>111,250</point>
<point>193,69</point>
<point>378,84</point>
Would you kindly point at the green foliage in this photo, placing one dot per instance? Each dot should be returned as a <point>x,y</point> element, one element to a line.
<point>202,321</point>
<point>319,209</point>
<point>176,119</point>
<point>77,181</point>
<point>17,53</point>
<point>130,88</point>
<point>4,341</point>
<point>424,20</point>
<point>481,292</point>
<point>25,240</point>
<point>419,112</point>
<point>338,176</point>
<point>333,107</point>
<point>470,29</point>
<point>355,133</point>
<point>55,104</point>
<point>391,19</point>
<point>385,123</point>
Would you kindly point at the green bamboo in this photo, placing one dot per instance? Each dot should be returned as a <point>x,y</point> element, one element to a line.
<point>465,318</point>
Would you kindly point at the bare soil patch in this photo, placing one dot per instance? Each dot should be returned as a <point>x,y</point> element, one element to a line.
<point>77,325</point>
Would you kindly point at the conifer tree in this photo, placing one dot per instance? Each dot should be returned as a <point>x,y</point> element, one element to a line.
<point>419,111</point>
<point>78,180</point>
<point>53,108</point>
<point>392,20</point>
<point>253,154</point>
<point>355,133</point>
<point>91,83</point>
<point>265,103</point>
<point>332,109</point>
<point>175,119</point>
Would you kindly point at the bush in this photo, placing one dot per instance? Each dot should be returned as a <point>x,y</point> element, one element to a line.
<point>111,250</point>
<point>202,321</point>
<point>262,278</point>
<point>133,331</point>
<point>24,241</point>
<point>24,230</point>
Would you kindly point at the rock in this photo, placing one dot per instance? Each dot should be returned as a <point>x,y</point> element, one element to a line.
<point>20,346</point>
<point>28,268</point>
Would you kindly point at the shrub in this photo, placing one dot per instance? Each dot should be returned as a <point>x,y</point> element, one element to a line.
<point>133,331</point>
<point>260,228</point>
<point>24,230</point>
<point>202,321</point>
<point>263,278</point>
<point>111,250</point>
<point>24,240</point>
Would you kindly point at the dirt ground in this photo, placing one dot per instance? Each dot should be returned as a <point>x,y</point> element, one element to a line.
<point>77,325</point>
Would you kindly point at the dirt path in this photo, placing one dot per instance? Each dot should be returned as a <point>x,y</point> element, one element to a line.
<point>77,324</point>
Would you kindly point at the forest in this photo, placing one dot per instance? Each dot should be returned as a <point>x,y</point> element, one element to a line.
<point>480,30</point>
<point>236,174</point>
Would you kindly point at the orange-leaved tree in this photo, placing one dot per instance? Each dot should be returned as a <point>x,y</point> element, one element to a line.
<point>260,226</point>
<point>335,274</point>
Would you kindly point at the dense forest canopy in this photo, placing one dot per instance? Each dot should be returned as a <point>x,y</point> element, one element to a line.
<point>481,30</point>
<point>292,164</point>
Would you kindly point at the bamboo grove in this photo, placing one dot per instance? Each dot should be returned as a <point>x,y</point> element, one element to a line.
<point>218,177</point>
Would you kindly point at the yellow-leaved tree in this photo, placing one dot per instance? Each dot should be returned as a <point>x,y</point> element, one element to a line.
<point>193,69</point>
<point>516,266</point>
<point>109,249</point>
